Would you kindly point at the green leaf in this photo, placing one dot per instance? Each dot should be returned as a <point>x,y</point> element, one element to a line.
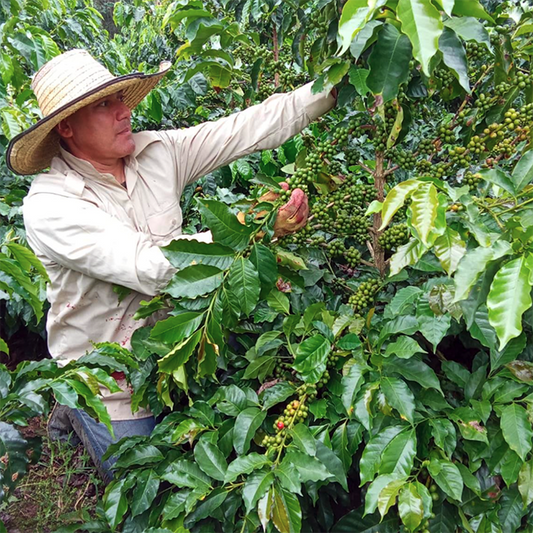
<point>255,487</point>
<point>471,8</point>
<point>142,454</point>
<point>311,357</point>
<point>11,126</point>
<point>424,204</point>
<point>210,459</point>
<point>511,510</point>
<point>351,384</point>
<point>183,473</point>
<point>387,496</point>
<point>434,328</point>
<point>5,348</point>
<point>226,228</point>
<point>364,38</point>
<point>525,482</point>
<point>303,439</point>
<point>180,354</point>
<point>183,253</point>
<point>208,506</point>
<point>64,394</point>
<point>510,467</point>
<point>447,477</point>
<point>355,14</point>
<point>396,198</point>
<point>244,285</point>
<point>332,463</point>
<point>266,265</point>
<point>401,300</point>
<point>473,264</point>
<point>375,489</point>
<point>469,29</point>
<point>400,397</point>
<point>285,511</point>
<point>450,249</point>
<point>194,281</point>
<point>414,370</point>
<point>513,349</point>
<point>115,504</point>
<point>509,298</point>
<point>260,368</point>
<point>26,258</point>
<point>145,491</point>
<point>176,328</point>
<point>500,178</point>
<point>373,451</point>
<point>389,63</point>
<point>406,255</point>
<point>410,506</point>
<point>523,172</point>
<point>246,424</point>
<point>399,454</point>
<point>245,465</point>
<point>469,479</point>
<point>422,23</point>
<point>288,476</point>
<point>454,56</point>
<point>220,77</point>
<point>276,394</point>
<point>309,468</point>
<point>403,347</point>
<point>279,301</point>
<point>516,429</point>
<point>443,431</point>
<point>357,77</point>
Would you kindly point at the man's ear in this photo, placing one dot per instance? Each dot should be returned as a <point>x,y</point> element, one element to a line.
<point>64,129</point>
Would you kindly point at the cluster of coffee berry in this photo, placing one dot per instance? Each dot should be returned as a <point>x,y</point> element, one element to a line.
<point>459,154</point>
<point>364,295</point>
<point>394,236</point>
<point>472,180</point>
<point>475,51</point>
<point>484,102</point>
<point>444,76</point>
<point>404,159</point>
<point>353,256</point>
<point>446,133</point>
<point>296,411</point>
<point>336,248</point>
<point>426,146</point>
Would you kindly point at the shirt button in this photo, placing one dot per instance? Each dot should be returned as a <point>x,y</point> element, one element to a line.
<point>173,221</point>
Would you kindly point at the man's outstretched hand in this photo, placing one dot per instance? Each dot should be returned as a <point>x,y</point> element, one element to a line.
<point>293,215</point>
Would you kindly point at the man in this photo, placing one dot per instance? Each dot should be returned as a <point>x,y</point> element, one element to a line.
<point>111,198</point>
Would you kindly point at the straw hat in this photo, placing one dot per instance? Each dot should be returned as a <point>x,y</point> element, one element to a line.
<point>65,84</point>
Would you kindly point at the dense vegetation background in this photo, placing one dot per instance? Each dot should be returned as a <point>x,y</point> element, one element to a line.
<point>372,372</point>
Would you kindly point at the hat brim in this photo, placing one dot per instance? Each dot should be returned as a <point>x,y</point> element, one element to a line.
<point>33,150</point>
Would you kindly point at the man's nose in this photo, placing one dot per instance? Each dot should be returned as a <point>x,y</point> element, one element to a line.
<point>123,111</point>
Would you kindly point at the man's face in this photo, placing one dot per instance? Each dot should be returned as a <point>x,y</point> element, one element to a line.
<point>100,132</point>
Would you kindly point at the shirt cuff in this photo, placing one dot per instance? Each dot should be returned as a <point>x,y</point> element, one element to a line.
<point>315,105</point>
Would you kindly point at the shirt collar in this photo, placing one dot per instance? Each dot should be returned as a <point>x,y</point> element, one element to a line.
<point>87,170</point>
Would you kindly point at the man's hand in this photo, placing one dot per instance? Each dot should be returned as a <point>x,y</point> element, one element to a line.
<point>293,215</point>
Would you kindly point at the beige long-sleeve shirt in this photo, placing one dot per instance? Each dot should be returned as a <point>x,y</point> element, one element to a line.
<point>91,233</point>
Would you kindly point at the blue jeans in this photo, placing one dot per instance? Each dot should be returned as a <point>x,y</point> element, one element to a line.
<point>96,437</point>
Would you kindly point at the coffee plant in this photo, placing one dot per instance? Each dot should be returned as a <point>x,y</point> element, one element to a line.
<point>372,372</point>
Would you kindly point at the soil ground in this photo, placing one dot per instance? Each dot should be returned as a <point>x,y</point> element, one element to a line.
<point>56,490</point>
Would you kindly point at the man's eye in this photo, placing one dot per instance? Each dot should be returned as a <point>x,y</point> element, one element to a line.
<point>105,103</point>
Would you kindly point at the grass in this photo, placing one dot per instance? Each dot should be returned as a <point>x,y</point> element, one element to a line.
<point>56,490</point>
